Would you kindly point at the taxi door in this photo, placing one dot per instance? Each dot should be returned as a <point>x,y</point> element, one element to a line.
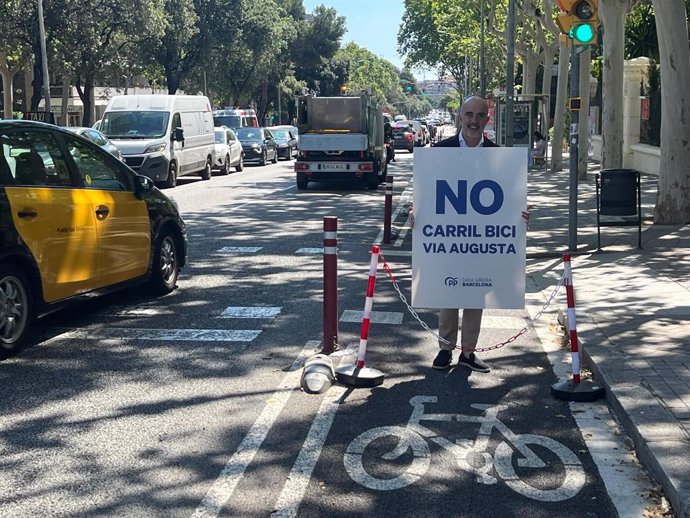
<point>53,218</point>
<point>122,220</point>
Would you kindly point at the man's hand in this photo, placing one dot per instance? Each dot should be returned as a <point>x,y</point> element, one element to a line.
<point>525,215</point>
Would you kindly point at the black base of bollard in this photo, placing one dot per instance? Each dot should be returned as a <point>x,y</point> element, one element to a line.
<point>585,391</point>
<point>365,377</point>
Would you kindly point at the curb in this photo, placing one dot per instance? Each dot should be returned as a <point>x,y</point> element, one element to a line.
<point>661,445</point>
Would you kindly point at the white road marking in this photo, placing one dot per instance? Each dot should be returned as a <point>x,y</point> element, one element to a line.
<point>250,312</point>
<point>403,203</point>
<point>296,486</point>
<point>309,251</point>
<point>397,253</point>
<point>222,489</point>
<point>377,317</point>
<point>142,312</point>
<point>184,335</point>
<point>240,249</point>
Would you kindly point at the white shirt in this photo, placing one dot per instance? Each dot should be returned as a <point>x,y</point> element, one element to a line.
<point>462,142</point>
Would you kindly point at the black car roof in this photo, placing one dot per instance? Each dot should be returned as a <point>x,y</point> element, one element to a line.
<point>21,123</point>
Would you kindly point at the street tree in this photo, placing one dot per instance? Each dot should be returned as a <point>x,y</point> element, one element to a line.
<point>14,51</point>
<point>673,201</point>
<point>368,71</point>
<point>318,39</point>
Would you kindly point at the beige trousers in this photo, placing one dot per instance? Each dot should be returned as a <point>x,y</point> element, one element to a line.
<point>448,327</point>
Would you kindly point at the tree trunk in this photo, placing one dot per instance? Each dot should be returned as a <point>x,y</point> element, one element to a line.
<point>549,56</point>
<point>86,99</point>
<point>530,64</point>
<point>37,84</point>
<point>65,100</point>
<point>613,22</point>
<point>583,129</point>
<point>673,200</point>
<point>7,80</point>
<point>28,78</point>
<point>172,79</point>
<point>559,115</point>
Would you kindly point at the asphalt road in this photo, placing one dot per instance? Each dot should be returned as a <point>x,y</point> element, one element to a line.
<point>189,405</point>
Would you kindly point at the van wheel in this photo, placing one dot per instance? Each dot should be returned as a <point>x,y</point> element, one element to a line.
<point>172,176</point>
<point>166,266</point>
<point>206,173</point>
<point>226,168</point>
<point>16,305</point>
<point>240,165</point>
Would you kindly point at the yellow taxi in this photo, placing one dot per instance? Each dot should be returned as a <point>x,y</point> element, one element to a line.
<point>75,220</point>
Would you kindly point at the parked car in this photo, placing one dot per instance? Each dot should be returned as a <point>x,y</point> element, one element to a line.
<point>76,222</point>
<point>228,151</point>
<point>293,129</point>
<point>286,141</point>
<point>97,138</point>
<point>258,145</point>
<point>403,137</point>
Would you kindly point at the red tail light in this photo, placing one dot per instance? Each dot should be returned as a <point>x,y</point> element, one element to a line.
<point>366,167</point>
<point>409,136</point>
<point>301,166</point>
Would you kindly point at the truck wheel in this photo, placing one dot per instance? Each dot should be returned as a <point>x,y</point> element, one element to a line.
<point>302,182</point>
<point>373,181</point>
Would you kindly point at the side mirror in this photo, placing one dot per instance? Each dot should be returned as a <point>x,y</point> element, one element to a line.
<point>178,135</point>
<point>143,185</point>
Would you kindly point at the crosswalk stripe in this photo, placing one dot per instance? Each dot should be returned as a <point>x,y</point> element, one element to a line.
<point>179,335</point>
<point>250,312</point>
<point>241,249</point>
<point>377,317</point>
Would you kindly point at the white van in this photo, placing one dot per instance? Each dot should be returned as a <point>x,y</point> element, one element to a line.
<point>162,136</point>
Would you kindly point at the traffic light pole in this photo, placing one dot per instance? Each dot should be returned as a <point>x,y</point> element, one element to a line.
<point>574,148</point>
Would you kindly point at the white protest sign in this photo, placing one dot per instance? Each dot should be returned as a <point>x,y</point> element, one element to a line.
<point>468,241</point>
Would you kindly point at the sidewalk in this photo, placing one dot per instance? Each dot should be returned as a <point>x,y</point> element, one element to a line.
<point>633,317</point>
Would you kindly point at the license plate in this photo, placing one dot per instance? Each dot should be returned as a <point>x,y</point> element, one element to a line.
<point>334,167</point>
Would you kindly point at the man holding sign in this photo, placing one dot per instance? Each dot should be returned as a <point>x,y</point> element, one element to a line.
<point>468,232</point>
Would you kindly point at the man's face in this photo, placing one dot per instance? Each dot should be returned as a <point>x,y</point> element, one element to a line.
<point>473,118</point>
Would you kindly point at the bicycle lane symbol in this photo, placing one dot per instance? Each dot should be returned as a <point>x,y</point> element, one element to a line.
<point>472,457</point>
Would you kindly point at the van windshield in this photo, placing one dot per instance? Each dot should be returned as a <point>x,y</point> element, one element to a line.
<point>137,124</point>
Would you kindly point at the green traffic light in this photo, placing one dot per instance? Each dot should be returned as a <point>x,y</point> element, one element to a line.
<point>583,33</point>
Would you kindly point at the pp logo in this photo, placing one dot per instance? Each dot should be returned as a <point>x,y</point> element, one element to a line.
<point>451,281</point>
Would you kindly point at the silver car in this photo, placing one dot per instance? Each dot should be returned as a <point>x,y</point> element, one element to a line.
<point>228,151</point>
<point>97,138</point>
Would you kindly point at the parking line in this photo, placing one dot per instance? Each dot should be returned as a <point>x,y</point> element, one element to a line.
<point>222,489</point>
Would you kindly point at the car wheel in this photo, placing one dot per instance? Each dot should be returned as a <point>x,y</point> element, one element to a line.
<point>226,167</point>
<point>206,173</point>
<point>240,164</point>
<point>165,264</point>
<point>172,176</point>
<point>275,156</point>
<point>16,305</point>
<point>263,158</point>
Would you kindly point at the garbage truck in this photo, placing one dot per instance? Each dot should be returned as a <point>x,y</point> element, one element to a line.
<point>341,139</point>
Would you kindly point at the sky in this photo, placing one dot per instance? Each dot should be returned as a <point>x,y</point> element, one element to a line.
<point>372,24</point>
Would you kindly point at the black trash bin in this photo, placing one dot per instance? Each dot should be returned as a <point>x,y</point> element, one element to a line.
<point>619,194</point>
